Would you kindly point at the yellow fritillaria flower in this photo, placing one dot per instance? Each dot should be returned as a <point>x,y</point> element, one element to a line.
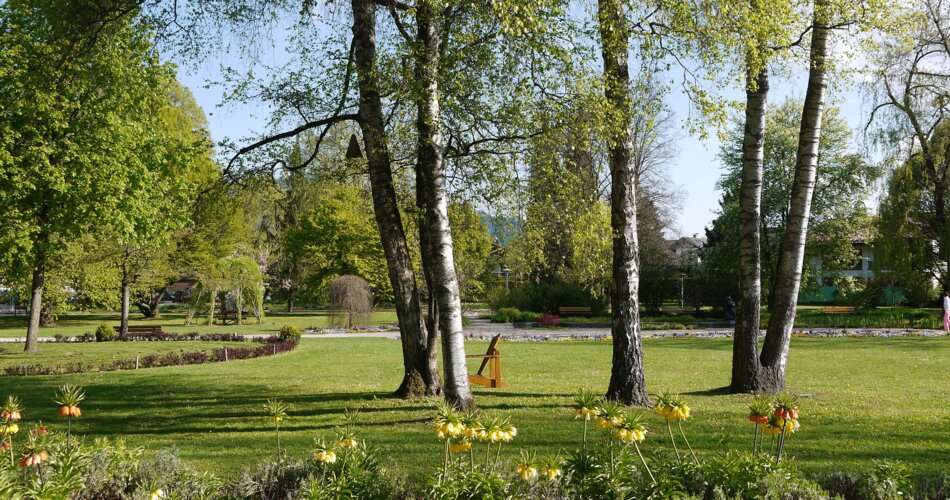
<point>10,429</point>
<point>552,473</point>
<point>348,443</point>
<point>461,447</point>
<point>584,413</point>
<point>527,472</point>
<point>326,456</point>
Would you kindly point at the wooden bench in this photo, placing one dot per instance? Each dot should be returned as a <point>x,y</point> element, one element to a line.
<point>138,330</point>
<point>492,360</point>
<point>574,311</point>
<point>837,309</point>
<point>225,316</point>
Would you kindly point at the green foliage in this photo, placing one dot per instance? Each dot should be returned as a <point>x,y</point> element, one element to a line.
<point>354,472</point>
<point>338,236</point>
<point>77,157</point>
<point>907,210</point>
<point>548,297</point>
<point>513,315</point>
<point>241,277</point>
<point>472,244</point>
<point>290,332</point>
<point>104,469</point>
<point>104,333</point>
<point>838,215</point>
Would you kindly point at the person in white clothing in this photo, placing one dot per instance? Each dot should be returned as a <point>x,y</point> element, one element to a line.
<point>946,312</point>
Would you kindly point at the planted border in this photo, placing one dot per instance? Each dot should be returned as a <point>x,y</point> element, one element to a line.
<point>269,347</point>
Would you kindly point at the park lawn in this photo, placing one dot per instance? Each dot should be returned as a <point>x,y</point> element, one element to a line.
<point>74,324</point>
<point>52,354</point>
<point>862,399</point>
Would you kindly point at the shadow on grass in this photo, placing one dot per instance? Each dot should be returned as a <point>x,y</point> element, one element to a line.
<point>718,391</point>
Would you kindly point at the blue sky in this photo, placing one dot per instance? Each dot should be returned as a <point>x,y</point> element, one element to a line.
<point>695,171</point>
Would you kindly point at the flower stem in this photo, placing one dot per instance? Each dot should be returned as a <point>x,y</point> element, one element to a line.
<point>585,432</point>
<point>69,431</point>
<point>471,457</point>
<point>781,444</point>
<point>612,459</point>
<point>755,437</point>
<point>680,425</point>
<point>670,428</point>
<point>645,466</point>
<point>445,460</point>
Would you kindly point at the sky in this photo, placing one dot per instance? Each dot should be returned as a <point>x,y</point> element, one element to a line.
<point>695,171</point>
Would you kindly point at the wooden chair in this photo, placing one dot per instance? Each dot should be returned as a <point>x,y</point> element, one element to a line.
<point>492,360</point>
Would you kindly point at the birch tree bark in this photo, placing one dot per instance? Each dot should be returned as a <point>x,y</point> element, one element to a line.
<point>745,343</point>
<point>36,303</point>
<point>788,279</point>
<point>627,384</point>
<point>420,376</point>
<point>438,254</point>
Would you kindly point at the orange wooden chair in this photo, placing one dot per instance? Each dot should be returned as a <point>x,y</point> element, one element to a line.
<point>492,360</point>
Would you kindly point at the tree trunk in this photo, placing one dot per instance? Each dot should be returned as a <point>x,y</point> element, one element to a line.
<point>419,378</point>
<point>745,344</point>
<point>789,276</point>
<point>627,383</point>
<point>433,199</point>
<point>124,319</point>
<point>238,305</point>
<point>214,298</point>
<point>36,302</point>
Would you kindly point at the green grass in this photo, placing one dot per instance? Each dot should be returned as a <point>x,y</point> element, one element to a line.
<point>57,354</point>
<point>80,323</point>
<point>862,399</point>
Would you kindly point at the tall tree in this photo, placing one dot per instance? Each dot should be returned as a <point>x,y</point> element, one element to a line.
<point>432,198</point>
<point>909,92</point>
<point>627,383</point>
<point>74,155</point>
<point>421,375</point>
<point>745,348</point>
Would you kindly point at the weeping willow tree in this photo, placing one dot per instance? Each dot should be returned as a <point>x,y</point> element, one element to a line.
<point>238,276</point>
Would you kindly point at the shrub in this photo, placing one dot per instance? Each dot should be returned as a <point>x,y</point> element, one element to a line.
<point>105,333</point>
<point>289,332</point>
<point>547,297</point>
<point>506,315</point>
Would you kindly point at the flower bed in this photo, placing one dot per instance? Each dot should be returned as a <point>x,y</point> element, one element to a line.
<point>618,460</point>
<point>156,337</point>
<point>268,347</point>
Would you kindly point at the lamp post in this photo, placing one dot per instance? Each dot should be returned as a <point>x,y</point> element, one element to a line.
<point>507,272</point>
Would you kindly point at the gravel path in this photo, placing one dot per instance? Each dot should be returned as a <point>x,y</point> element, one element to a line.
<point>483,329</point>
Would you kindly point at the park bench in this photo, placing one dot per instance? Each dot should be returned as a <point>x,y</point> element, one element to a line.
<point>837,309</point>
<point>492,360</point>
<point>225,316</point>
<point>140,330</point>
<point>574,311</point>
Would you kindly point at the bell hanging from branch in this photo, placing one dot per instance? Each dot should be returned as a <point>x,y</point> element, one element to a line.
<point>353,151</point>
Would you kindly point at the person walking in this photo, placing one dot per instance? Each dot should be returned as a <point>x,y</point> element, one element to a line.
<point>946,312</point>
